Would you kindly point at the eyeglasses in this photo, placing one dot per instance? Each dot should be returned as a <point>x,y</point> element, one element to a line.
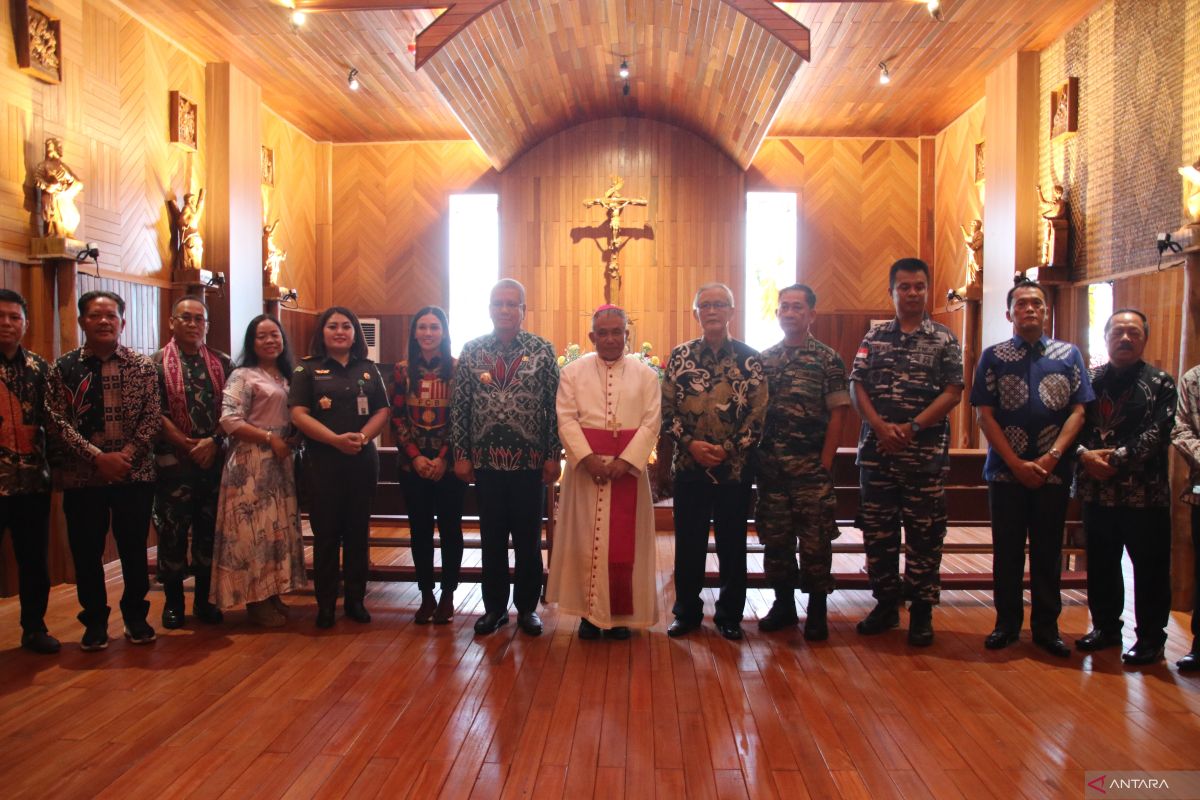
<point>715,305</point>
<point>793,307</point>
<point>190,319</point>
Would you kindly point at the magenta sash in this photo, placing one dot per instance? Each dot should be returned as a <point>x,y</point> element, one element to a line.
<point>622,520</point>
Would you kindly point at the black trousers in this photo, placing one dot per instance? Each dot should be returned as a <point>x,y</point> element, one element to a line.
<point>1196,575</point>
<point>90,513</point>
<point>510,505</point>
<point>28,517</point>
<point>426,499</point>
<point>1146,533</point>
<point>340,491</point>
<point>726,507</point>
<point>1037,514</point>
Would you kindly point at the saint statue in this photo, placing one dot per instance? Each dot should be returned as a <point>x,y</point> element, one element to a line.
<point>187,243</point>
<point>1054,210</point>
<point>974,241</point>
<point>57,187</point>
<point>273,257</point>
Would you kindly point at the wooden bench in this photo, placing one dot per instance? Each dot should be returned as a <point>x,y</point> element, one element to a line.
<point>966,506</point>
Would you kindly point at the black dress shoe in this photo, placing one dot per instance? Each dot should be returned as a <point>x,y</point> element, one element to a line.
<point>1000,639</point>
<point>587,630</point>
<point>40,642</point>
<point>325,617</point>
<point>883,617</point>
<point>619,633</point>
<point>530,623</point>
<point>730,630</point>
<point>679,628</point>
<point>490,622</point>
<point>1190,662</point>
<point>358,612</point>
<point>1053,645</point>
<point>1097,639</point>
<point>778,618</point>
<point>172,618</point>
<point>207,613</point>
<point>1142,653</point>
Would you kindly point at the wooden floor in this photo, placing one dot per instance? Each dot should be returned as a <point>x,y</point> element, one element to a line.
<point>397,710</point>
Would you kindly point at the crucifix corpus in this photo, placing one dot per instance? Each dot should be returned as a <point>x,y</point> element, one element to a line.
<point>614,202</point>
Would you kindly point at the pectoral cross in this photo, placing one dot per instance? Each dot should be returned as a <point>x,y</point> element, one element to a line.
<point>613,425</point>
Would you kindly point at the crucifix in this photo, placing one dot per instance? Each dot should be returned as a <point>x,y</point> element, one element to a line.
<point>614,202</point>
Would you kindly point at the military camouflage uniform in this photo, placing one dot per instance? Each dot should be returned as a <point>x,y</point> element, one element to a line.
<point>902,374</point>
<point>185,495</point>
<point>796,501</point>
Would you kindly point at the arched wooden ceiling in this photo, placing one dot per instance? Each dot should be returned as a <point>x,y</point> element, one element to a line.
<point>526,69</point>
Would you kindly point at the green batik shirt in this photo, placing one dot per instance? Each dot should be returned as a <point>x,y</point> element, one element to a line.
<point>720,398</point>
<point>806,383</point>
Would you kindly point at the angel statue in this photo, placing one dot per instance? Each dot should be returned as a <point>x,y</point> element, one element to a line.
<point>273,257</point>
<point>187,245</point>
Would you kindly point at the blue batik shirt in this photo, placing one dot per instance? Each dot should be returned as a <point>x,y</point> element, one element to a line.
<point>1031,389</point>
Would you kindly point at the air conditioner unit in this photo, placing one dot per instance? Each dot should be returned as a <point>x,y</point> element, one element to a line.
<point>370,327</point>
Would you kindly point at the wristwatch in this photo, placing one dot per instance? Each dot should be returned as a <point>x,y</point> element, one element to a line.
<point>1054,451</point>
<point>916,426</point>
<point>1080,450</point>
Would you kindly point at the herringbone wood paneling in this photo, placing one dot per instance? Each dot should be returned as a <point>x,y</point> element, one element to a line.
<point>957,200</point>
<point>293,201</point>
<point>858,211</point>
<point>390,235</point>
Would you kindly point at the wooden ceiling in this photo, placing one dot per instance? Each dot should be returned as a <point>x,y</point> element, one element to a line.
<point>508,74</point>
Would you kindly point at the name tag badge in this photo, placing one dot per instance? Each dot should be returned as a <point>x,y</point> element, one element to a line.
<point>363,408</point>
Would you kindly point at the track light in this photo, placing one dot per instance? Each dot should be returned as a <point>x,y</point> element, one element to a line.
<point>298,18</point>
<point>623,72</point>
<point>934,7</point>
<point>352,80</point>
<point>884,76</point>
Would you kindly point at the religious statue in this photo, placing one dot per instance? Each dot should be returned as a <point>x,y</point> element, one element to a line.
<point>974,241</point>
<point>273,257</point>
<point>1054,229</point>
<point>1191,175</point>
<point>614,203</point>
<point>187,244</point>
<point>57,188</point>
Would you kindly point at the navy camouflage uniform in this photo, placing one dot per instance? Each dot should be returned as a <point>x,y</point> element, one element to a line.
<point>902,373</point>
<point>796,501</point>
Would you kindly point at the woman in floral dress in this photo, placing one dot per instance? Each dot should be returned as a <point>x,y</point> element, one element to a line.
<point>258,554</point>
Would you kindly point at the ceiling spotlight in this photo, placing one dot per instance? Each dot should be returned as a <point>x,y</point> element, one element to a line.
<point>623,72</point>
<point>352,80</point>
<point>884,76</point>
<point>934,7</point>
<point>298,18</point>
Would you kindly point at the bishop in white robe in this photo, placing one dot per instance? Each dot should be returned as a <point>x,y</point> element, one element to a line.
<point>603,562</point>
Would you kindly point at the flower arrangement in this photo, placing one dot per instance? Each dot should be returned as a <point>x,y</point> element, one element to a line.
<point>643,355</point>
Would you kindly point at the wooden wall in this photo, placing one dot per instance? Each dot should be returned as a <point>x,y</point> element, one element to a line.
<point>293,201</point>
<point>858,212</point>
<point>1139,121</point>
<point>958,199</point>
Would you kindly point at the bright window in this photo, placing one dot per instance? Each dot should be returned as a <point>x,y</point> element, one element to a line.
<point>1100,308</point>
<point>474,264</point>
<point>770,262</point>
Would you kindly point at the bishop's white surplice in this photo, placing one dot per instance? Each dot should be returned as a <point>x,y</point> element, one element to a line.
<point>614,408</point>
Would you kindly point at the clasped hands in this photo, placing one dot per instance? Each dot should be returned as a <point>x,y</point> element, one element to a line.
<point>431,469</point>
<point>706,454</point>
<point>603,473</point>
<point>893,436</point>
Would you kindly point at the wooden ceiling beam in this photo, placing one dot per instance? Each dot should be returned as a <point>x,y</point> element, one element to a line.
<point>458,14</point>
